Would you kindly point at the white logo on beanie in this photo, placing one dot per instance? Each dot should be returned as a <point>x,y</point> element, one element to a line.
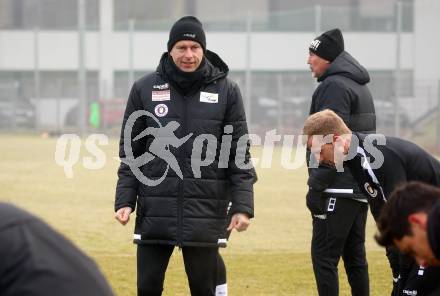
<point>314,45</point>
<point>189,35</point>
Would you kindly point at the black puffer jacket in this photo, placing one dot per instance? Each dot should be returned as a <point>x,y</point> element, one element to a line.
<point>36,260</point>
<point>191,211</point>
<point>343,89</point>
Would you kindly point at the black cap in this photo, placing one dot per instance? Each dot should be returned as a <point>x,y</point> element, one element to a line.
<point>329,45</point>
<point>187,28</point>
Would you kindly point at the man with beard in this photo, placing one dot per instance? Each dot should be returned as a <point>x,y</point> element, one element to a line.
<point>190,209</point>
<point>338,207</point>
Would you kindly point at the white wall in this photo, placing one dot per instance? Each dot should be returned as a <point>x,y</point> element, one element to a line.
<point>269,51</point>
<point>427,40</point>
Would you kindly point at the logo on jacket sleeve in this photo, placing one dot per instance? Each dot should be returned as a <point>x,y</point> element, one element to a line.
<point>206,97</point>
<point>370,190</point>
<point>161,110</point>
<point>193,36</point>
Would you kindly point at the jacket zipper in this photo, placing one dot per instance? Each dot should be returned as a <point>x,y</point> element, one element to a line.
<point>181,187</point>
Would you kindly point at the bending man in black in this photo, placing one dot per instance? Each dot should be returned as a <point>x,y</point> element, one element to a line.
<point>410,220</point>
<point>188,208</point>
<point>378,164</point>
<point>339,207</point>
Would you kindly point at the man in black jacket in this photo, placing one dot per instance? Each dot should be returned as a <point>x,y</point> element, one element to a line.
<point>378,164</point>
<point>36,260</point>
<point>410,221</point>
<point>338,206</point>
<point>185,163</point>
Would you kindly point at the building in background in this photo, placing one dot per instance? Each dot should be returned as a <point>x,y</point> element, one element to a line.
<point>264,42</point>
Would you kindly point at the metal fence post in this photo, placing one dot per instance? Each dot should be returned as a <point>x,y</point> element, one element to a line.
<point>37,81</point>
<point>318,19</point>
<point>130,53</point>
<point>248,77</point>
<point>397,70</point>
<point>280,113</point>
<point>81,69</point>
<point>438,119</point>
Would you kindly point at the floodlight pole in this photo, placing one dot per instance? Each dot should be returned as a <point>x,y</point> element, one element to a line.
<point>248,73</point>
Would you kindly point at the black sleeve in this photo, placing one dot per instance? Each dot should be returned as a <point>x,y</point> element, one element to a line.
<point>240,180</point>
<point>393,172</point>
<point>321,178</point>
<point>36,260</point>
<point>127,186</point>
<point>393,259</point>
<point>335,97</point>
<point>401,266</point>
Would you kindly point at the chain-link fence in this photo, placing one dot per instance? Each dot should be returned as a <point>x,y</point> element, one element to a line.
<point>43,99</point>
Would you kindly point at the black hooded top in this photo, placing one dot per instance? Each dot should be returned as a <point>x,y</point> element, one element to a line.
<point>189,206</point>
<point>343,89</point>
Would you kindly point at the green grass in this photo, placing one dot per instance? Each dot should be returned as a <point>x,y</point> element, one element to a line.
<point>271,258</point>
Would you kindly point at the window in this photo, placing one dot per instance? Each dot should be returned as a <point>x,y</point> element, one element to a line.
<point>148,14</point>
<point>46,14</point>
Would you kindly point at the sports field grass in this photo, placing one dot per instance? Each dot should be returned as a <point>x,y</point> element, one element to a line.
<point>271,258</point>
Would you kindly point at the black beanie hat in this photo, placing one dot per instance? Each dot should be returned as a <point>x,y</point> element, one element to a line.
<point>187,28</point>
<point>329,45</point>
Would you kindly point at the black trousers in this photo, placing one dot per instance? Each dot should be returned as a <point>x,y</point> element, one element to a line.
<point>340,231</point>
<point>204,267</point>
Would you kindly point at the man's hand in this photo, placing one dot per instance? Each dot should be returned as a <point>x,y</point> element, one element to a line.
<point>123,215</point>
<point>239,221</point>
